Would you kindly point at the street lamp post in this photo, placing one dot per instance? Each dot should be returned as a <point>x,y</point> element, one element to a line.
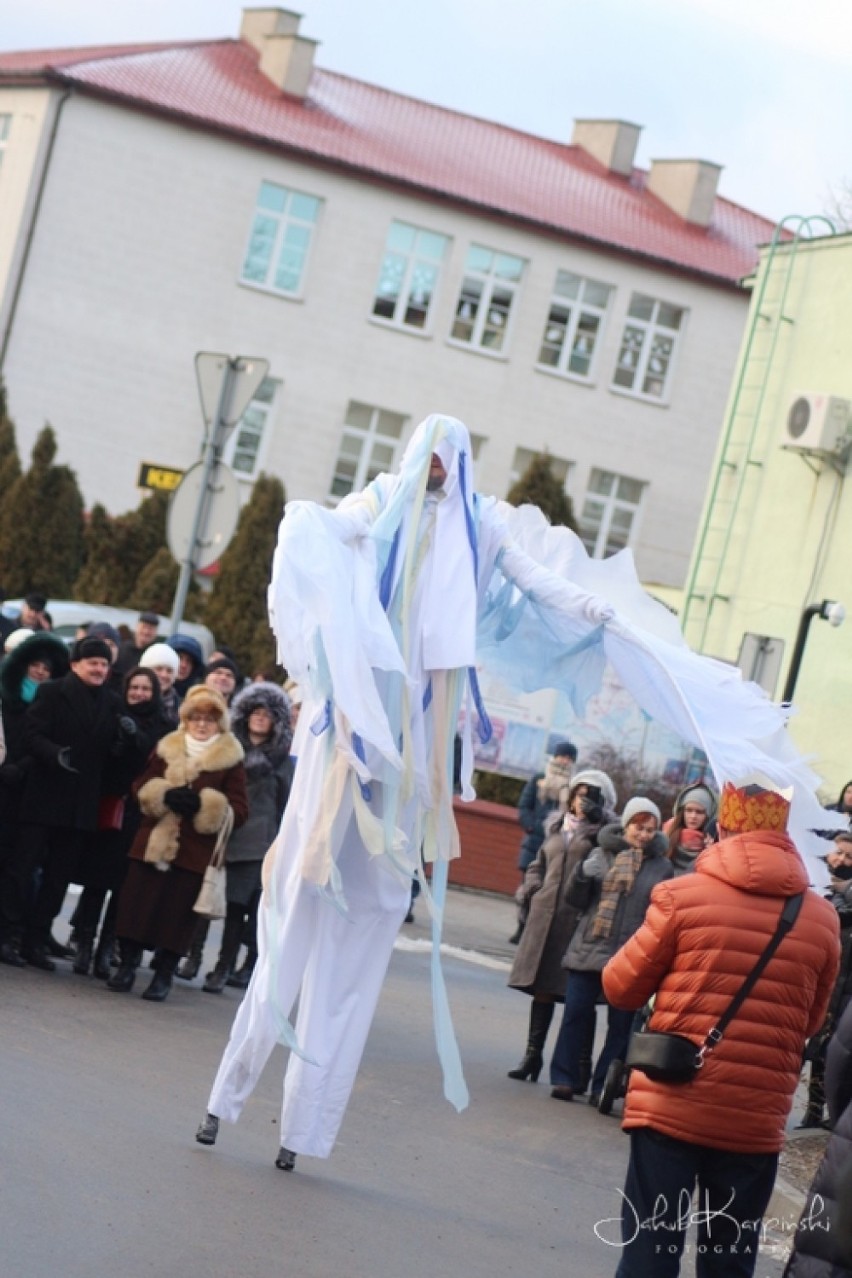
<point>830,611</point>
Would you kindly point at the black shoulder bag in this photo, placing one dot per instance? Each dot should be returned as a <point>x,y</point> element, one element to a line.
<point>673,1058</point>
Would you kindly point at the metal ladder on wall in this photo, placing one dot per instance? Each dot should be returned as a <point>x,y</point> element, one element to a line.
<point>718,554</point>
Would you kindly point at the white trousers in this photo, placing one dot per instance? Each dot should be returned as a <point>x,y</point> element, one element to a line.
<point>336,965</point>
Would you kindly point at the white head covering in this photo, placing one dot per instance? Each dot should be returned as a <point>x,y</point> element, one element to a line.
<point>449,570</point>
<point>16,637</point>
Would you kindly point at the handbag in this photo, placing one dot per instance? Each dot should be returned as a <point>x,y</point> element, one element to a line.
<point>673,1058</point>
<point>110,812</point>
<point>212,899</point>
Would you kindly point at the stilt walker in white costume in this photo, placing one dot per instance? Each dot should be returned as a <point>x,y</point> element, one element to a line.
<point>382,609</point>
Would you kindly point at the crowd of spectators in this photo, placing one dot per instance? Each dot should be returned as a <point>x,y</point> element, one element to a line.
<point>125,761</point>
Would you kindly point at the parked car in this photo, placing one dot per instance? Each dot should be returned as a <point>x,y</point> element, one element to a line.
<point>69,614</point>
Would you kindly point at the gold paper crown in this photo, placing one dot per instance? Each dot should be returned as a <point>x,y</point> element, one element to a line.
<point>751,806</point>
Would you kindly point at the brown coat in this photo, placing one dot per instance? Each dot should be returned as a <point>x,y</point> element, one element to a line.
<point>702,934</point>
<point>217,777</point>
<point>537,968</point>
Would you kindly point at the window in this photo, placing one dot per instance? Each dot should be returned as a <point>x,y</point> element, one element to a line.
<point>610,511</point>
<point>477,443</point>
<point>409,275</point>
<point>242,449</point>
<point>523,456</point>
<point>574,324</point>
<point>370,445</point>
<point>5,128</point>
<point>485,302</point>
<point>647,346</point>
<point>280,239</point>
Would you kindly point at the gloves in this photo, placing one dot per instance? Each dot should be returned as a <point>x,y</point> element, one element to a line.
<point>64,760</point>
<point>182,800</point>
<point>127,726</point>
<point>591,804</point>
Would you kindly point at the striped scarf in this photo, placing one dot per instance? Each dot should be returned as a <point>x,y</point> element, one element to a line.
<point>618,882</point>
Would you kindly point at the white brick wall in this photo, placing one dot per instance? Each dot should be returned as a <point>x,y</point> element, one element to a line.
<point>135,267</point>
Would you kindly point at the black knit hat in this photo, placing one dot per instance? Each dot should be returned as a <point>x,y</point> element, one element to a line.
<point>565,750</point>
<point>88,647</point>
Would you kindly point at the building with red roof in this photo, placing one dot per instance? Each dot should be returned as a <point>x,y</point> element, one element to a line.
<point>387,256</point>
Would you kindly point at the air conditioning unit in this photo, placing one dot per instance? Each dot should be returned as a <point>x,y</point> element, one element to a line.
<point>818,424</point>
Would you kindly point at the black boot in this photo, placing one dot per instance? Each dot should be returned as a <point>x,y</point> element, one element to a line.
<point>191,965</point>
<point>160,986</point>
<point>541,1014</point>
<point>286,1159</point>
<point>231,932</point>
<point>214,982</point>
<point>103,955</point>
<point>83,957</point>
<point>240,979</point>
<point>124,976</point>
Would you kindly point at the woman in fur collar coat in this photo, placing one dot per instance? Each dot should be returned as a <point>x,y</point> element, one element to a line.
<point>193,781</point>
<point>260,720</point>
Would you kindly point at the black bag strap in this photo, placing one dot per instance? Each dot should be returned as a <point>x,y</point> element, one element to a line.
<point>789,914</point>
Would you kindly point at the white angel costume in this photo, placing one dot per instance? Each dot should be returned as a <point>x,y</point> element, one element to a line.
<point>382,609</point>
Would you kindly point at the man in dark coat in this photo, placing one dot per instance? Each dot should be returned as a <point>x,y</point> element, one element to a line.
<point>144,634</point>
<point>72,727</point>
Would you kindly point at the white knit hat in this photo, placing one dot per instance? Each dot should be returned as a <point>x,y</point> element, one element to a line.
<point>16,637</point>
<point>640,807</point>
<point>160,654</point>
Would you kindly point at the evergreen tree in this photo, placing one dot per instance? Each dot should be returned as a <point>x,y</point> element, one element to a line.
<point>157,584</point>
<point>10,462</point>
<point>538,486</point>
<point>118,548</point>
<point>41,526</point>
<point>236,609</point>
<point>94,583</point>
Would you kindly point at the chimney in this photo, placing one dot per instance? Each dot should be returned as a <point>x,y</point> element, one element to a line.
<point>286,58</point>
<point>612,142</point>
<point>688,187</point>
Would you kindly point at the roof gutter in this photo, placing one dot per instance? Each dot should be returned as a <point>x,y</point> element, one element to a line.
<point>21,260</point>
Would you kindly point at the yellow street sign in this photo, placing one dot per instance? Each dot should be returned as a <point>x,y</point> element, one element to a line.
<point>158,478</point>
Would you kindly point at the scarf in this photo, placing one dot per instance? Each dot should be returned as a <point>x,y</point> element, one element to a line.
<point>195,749</point>
<point>29,688</point>
<point>618,882</point>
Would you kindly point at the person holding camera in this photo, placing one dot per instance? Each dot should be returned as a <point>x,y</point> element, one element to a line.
<point>588,803</point>
<point>723,1129</point>
<point>611,888</point>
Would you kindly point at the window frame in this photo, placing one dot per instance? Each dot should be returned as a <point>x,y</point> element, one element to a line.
<point>578,308</point>
<point>612,503</point>
<point>488,280</point>
<point>5,134</point>
<point>650,328</point>
<point>370,436</point>
<point>284,220</point>
<point>269,409</point>
<point>515,474</point>
<point>403,300</point>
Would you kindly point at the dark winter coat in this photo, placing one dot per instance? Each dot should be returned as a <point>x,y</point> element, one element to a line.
<point>66,713</point>
<point>588,953</point>
<point>551,920</point>
<point>269,771</point>
<point>533,811</point>
<point>41,646</point>
<point>820,1251</point>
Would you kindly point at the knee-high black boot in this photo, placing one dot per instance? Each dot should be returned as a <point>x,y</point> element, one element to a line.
<point>188,969</point>
<point>541,1014</point>
<point>232,931</point>
<point>122,979</point>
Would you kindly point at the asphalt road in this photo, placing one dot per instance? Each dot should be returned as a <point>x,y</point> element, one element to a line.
<point>101,1176</point>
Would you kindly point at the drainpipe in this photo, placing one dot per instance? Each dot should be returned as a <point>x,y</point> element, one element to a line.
<point>21,268</point>
<point>832,612</point>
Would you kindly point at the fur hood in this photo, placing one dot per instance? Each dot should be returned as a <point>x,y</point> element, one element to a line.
<point>41,646</point>
<point>263,696</point>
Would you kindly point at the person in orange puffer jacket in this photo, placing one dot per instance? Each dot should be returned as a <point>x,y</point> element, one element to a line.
<point>724,1129</point>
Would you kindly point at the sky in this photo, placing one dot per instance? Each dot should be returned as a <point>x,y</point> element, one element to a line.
<point>762,87</point>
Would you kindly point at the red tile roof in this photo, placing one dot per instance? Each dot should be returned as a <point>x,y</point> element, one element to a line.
<point>363,128</point>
